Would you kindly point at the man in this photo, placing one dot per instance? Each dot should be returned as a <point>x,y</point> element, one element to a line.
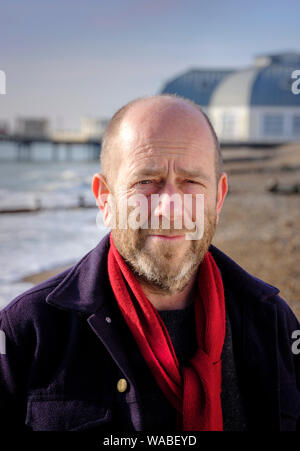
<point>155,329</point>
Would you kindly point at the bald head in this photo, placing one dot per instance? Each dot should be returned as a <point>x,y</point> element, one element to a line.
<point>154,117</point>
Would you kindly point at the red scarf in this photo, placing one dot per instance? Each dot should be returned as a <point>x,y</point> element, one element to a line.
<point>194,390</point>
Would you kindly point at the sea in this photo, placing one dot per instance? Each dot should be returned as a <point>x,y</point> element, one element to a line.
<point>58,234</point>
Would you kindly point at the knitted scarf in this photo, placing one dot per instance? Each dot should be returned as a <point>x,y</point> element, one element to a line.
<point>194,390</point>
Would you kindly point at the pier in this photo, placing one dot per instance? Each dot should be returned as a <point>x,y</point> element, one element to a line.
<point>24,146</point>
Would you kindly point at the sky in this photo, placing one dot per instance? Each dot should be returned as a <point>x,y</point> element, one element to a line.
<point>65,59</point>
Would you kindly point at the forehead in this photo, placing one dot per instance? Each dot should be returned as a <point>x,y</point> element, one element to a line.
<point>161,132</point>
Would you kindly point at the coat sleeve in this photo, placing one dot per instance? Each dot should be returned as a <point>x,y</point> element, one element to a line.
<point>12,380</point>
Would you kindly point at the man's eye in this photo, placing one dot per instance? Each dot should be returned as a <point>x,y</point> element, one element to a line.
<point>190,181</point>
<point>144,182</point>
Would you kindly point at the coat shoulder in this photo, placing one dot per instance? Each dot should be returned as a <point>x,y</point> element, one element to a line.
<point>285,313</point>
<point>31,304</point>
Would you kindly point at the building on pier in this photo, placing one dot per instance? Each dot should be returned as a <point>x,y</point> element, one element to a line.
<point>35,128</point>
<point>252,105</point>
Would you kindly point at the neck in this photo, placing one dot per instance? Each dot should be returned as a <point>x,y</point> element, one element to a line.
<point>164,301</point>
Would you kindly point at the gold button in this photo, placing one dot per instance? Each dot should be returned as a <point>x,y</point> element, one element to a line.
<point>122,385</point>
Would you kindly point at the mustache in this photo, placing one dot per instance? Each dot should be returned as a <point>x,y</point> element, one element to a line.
<point>163,231</point>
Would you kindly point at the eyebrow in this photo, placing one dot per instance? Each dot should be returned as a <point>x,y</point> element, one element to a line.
<point>193,173</point>
<point>149,171</point>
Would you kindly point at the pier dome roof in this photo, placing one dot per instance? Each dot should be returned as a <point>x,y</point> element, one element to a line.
<point>267,83</point>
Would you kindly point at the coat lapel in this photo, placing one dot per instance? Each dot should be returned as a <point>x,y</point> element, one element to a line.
<point>86,290</point>
<point>253,319</point>
<point>261,366</point>
<point>114,336</point>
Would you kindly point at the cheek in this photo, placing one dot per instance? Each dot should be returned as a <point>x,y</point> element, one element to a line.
<point>195,206</point>
<point>210,200</point>
<point>203,209</point>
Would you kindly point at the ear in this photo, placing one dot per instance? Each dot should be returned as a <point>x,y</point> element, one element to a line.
<point>101,192</point>
<point>221,194</point>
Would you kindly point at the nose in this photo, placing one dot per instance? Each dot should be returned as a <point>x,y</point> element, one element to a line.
<point>168,205</point>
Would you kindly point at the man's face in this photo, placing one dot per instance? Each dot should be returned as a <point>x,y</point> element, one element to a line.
<point>165,150</point>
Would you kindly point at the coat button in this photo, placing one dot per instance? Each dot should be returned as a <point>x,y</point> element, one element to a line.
<point>122,385</point>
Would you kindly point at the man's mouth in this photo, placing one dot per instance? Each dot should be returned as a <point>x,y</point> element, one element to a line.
<point>168,237</point>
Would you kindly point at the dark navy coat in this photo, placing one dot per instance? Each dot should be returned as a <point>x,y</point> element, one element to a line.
<point>67,346</point>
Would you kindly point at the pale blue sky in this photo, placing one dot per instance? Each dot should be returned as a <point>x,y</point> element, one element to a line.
<point>68,58</point>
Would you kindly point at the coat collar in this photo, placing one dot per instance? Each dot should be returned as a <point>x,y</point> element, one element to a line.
<point>239,280</point>
<point>86,287</point>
